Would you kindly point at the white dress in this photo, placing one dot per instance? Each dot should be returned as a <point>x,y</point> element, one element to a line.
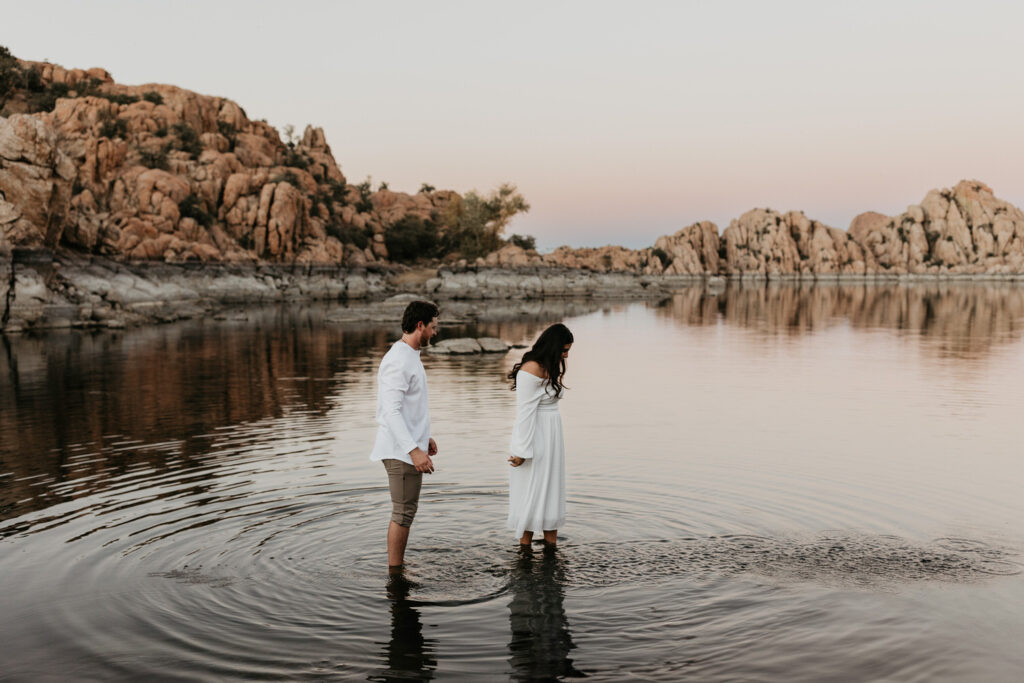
<point>536,490</point>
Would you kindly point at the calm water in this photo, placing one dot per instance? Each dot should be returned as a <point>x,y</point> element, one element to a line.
<point>764,484</point>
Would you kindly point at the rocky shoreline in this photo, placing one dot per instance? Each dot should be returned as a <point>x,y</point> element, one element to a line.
<point>41,290</point>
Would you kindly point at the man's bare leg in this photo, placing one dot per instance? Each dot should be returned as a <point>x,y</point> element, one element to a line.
<point>398,536</point>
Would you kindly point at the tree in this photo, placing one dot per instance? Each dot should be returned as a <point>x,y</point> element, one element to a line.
<point>481,220</point>
<point>11,75</point>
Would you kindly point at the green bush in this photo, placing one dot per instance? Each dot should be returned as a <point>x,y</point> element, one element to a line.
<point>153,96</point>
<point>426,188</point>
<point>364,205</point>
<point>477,227</point>
<point>188,139</point>
<point>157,159</point>
<point>286,177</point>
<point>349,234</point>
<point>295,159</point>
<point>116,128</point>
<point>194,207</point>
<point>528,242</point>
<point>338,191</point>
<point>229,131</point>
<point>161,132</point>
<point>117,99</point>
<point>113,127</point>
<point>411,239</point>
<point>46,99</point>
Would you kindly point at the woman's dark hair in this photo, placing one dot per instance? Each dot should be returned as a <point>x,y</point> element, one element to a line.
<point>547,351</point>
<point>418,312</point>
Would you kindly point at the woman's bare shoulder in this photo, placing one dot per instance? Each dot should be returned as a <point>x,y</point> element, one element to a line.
<point>534,368</point>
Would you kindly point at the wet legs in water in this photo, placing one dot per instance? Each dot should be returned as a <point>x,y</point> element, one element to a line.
<point>398,537</point>
<point>550,537</point>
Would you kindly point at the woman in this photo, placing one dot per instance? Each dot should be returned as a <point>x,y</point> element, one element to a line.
<point>536,489</point>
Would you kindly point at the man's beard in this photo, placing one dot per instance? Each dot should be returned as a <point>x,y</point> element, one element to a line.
<point>424,339</point>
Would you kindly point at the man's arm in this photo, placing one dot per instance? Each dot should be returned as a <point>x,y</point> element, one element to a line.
<point>393,385</point>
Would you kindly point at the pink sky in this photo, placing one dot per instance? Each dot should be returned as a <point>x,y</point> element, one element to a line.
<point>618,121</point>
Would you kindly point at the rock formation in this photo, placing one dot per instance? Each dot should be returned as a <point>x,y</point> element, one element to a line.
<point>155,172</point>
<point>962,230</point>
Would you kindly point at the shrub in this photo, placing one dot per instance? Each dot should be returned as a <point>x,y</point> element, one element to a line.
<point>383,186</point>
<point>661,255</point>
<point>475,230</point>
<point>113,127</point>
<point>286,177</point>
<point>295,159</point>
<point>339,191</point>
<point>46,99</point>
<point>188,139</point>
<point>161,132</point>
<point>153,96</point>
<point>410,239</point>
<point>157,159</point>
<point>193,207</point>
<point>528,242</point>
<point>349,234</point>
<point>426,188</point>
<point>229,131</point>
<point>364,205</point>
<point>117,99</point>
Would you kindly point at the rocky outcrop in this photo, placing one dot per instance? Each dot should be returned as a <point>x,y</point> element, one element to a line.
<point>156,172</point>
<point>694,250</point>
<point>966,229</point>
<point>41,291</point>
<point>764,242</point>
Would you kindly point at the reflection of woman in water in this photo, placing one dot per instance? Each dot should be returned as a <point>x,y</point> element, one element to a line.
<point>408,656</point>
<point>540,645</point>
<point>536,489</point>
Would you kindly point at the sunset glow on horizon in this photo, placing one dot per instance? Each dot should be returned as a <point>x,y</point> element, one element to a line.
<point>618,123</point>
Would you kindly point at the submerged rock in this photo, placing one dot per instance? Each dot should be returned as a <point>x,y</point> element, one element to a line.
<point>466,346</point>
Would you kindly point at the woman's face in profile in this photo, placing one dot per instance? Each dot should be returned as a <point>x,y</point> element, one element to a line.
<point>565,350</point>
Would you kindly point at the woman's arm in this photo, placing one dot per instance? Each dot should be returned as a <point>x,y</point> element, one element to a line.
<point>528,396</point>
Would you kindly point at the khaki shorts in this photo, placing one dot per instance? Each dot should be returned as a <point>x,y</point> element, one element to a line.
<point>404,482</point>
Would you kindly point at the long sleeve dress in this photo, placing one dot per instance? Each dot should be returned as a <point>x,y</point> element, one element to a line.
<point>536,500</point>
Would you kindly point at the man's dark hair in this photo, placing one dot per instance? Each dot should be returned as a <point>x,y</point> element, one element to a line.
<point>418,312</point>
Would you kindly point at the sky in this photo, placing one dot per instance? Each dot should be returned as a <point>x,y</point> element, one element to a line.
<point>619,122</point>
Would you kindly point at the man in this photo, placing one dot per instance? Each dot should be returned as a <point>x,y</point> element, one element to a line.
<point>403,437</point>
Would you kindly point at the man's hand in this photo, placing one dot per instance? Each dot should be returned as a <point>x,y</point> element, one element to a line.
<point>432,448</point>
<point>516,462</point>
<point>421,461</point>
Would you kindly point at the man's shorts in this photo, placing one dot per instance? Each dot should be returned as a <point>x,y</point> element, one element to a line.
<point>404,482</point>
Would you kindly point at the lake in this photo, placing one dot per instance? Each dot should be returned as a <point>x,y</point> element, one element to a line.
<point>765,483</point>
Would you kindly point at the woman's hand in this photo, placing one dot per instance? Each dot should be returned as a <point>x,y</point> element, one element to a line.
<point>516,462</point>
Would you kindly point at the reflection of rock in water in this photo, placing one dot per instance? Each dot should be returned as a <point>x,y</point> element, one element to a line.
<point>408,656</point>
<point>963,319</point>
<point>540,644</point>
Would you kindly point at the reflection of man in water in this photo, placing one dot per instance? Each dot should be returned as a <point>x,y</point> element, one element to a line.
<point>540,645</point>
<point>408,656</point>
<point>403,413</point>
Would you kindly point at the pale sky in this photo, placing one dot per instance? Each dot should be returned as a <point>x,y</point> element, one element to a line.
<point>618,121</point>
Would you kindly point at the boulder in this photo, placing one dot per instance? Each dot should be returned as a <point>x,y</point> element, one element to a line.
<point>456,347</point>
<point>492,345</point>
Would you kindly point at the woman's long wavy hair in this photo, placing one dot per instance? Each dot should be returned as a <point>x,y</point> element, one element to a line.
<point>547,351</point>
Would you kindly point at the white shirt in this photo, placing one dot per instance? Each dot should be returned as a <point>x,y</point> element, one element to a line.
<point>403,411</point>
